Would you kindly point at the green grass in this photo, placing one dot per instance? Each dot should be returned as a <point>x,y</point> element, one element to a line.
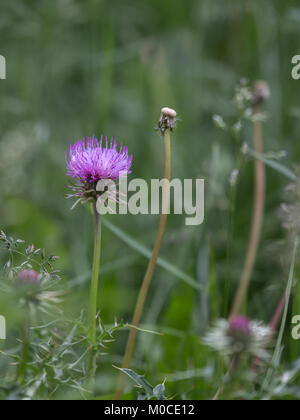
<point>80,68</point>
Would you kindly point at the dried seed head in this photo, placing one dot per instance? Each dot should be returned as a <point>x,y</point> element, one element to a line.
<point>167,120</point>
<point>261,92</point>
<point>169,112</point>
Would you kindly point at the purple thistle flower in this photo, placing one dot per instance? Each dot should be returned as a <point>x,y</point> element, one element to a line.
<point>90,161</point>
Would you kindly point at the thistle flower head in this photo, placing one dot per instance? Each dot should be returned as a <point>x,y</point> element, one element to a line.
<point>90,161</point>
<point>37,291</point>
<point>238,335</point>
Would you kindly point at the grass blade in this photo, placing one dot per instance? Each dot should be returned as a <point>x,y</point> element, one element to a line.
<point>145,252</point>
<point>273,164</point>
<point>277,352</point>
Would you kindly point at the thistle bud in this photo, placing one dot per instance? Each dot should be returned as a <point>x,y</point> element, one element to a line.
<point>239,324</point>
<point>28,277</point>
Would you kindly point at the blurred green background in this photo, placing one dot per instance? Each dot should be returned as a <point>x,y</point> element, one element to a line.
<point>79,68</point>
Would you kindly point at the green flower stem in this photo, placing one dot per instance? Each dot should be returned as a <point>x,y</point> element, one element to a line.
<point>95,279</point>
<point>151,267</point>
<point>233,366</point>
<point>21,371</point>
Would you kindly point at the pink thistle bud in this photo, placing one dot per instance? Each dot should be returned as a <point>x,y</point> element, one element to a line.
<point>240,324</point>
<point>28,277</point>
<point>240,331</point>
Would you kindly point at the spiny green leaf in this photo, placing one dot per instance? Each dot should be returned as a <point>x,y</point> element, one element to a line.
<point>139,380</point>
<point>159,392</point>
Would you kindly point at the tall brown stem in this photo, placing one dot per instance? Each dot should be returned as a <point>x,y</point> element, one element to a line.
<point>151,266</point>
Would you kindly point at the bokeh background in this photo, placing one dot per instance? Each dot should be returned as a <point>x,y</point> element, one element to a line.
<point>79,68</point>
